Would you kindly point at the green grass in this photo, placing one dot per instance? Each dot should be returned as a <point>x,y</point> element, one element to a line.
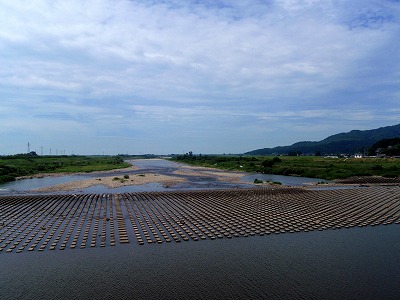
<point>24,165</point>
<point>305,166</point>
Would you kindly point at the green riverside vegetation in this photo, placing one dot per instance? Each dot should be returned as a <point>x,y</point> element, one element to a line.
<point>305,166</point>
<point>27,164</point>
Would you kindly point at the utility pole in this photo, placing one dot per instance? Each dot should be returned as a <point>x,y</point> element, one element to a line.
<point>29,148</point>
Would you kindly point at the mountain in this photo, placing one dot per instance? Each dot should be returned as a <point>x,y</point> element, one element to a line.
<point>343,143</point>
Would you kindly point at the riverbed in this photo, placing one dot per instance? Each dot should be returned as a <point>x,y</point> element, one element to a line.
<point>171,176</point>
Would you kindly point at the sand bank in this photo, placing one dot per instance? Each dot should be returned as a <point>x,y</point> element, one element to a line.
<point>41,175</point>
<point>219,175</point>
<point>114,182</point>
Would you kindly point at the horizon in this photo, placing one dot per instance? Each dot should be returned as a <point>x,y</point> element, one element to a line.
<point>62,152</point>
<point>169,77</point>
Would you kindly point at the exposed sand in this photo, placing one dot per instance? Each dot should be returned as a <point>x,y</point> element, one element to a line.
<point>113,182</point>
<point>219,175</point>
<point>41,175</point>
<point>139,179</point>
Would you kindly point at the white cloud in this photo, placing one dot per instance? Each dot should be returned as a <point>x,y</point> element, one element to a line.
<point>184,62</point>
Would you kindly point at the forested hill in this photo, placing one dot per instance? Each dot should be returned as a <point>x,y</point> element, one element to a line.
<point>344,143</point>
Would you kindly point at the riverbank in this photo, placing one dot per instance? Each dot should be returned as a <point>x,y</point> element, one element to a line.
<point>156,175</point>
<point>42,175</point>
<point>29,165</point>
<point>159,175</point>
<point>303,166</point>
<point>232,177</point>
<point>134,176</point>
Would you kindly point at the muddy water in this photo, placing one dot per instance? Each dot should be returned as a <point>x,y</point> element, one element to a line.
<point>358,263</point>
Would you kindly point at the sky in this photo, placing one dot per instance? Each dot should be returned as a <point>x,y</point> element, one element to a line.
<point>207,76</point>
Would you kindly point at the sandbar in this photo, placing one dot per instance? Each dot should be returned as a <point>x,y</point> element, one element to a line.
<point>114,182</point>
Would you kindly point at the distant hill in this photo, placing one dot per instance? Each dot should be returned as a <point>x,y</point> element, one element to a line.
<point>343,143</point>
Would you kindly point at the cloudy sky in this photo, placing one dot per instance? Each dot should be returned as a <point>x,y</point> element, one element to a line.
<point>208,76</point>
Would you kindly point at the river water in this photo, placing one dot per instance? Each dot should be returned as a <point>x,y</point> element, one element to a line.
<point>355,263</point>
<point>358,263</point>
<point>149,166</point>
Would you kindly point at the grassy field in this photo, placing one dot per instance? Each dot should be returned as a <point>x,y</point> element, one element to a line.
<point>306,166</point>
<point>25,165</point>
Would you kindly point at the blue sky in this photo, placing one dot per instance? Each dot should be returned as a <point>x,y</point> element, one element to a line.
<point>159,76</point>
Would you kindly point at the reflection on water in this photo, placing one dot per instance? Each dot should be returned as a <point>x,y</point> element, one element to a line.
<point>358,263</point>
<point>153,163</point>
<point>24,185</point>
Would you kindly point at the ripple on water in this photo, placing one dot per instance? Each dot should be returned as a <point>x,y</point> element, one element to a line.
<point>356,263</point>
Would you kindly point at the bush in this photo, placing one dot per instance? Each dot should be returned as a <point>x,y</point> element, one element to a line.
<point>389,175</point>
<point>276,159</point>
<point>6,178</point>
<point>126,176</point>
<point>267,163</point>
<point>276,182</point>
<point>377,167</point>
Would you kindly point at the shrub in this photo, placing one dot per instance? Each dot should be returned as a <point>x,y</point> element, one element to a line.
<point>377,167</point>
<point>389,175</point>
<point>6,178</point>
<point>267,163</point>
<point>276,159</point>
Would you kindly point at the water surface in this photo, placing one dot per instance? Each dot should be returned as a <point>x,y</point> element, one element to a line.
<point>159,166</point>
<point>358,263</point>
<point>24,185</point>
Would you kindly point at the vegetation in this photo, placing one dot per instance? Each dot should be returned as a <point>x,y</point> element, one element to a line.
<point>31,164</point>
<point>306,166</point>
<point>390,147</point>
<point>342,143</point>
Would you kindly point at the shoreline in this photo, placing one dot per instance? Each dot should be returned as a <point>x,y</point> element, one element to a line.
<point>136,179</point>
<point>42,175</point>
<point>182,174</point>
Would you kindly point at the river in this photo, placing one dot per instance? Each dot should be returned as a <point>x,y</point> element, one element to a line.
<point>354,263</point>
<point>358,263</point>
<point>158,166</point>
